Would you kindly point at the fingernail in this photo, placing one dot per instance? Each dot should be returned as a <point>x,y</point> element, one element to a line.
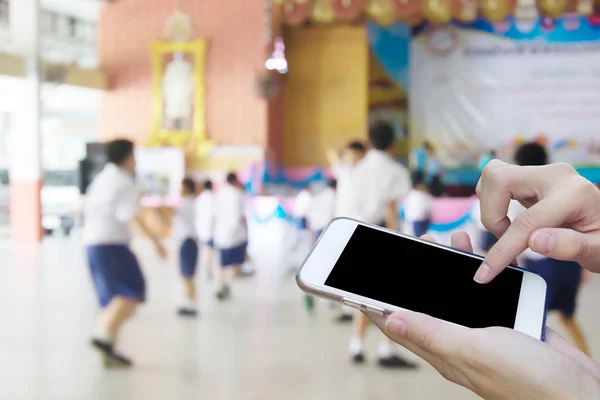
<point>482,273</point>
<point>395,327</point>
<point>542,242</point>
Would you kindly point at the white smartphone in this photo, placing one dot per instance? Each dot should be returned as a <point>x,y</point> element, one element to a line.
<point>380,271</point>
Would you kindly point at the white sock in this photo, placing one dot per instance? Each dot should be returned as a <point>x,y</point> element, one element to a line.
<point>189,304</point>
<point>101,334</point>
<point>385,349</point>
<point>347,310</point>
<point>356,346</point>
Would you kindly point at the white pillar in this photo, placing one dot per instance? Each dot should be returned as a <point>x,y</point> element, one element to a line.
<point>25,164</point>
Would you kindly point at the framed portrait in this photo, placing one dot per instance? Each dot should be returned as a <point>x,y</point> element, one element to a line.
<point>179,95</point>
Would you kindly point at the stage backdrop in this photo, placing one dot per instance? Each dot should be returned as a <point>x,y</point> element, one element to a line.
<point>491,86</point>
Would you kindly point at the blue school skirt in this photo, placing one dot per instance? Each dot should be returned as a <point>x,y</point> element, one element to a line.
<point>317,235</point>
<point>188,258</point>
<point>420,227</point>
<point>563,279</point>
<point>209,243</point>
<point>115,272</point>
<point>233,256</point>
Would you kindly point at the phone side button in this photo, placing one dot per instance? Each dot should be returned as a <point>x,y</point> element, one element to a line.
<point>353,304</point>
<point>376,310</point>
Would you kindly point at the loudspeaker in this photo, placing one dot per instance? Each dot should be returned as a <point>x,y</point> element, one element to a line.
<point>91,165</point>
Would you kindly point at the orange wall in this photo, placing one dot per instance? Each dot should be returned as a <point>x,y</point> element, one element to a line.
<point>235,115</point>
<point>325,91</point>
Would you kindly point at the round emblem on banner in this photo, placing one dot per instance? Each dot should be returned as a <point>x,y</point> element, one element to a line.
<point>441,40</point>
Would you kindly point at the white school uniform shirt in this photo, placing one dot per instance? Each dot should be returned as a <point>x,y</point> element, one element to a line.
<point>183,221</point>
<point>514,210</point>
<point>230,218</point>
<point>111,201</point>
<point>302,203</point>
<point>343,175</point>
<point>321,210</point>
<point>418,206</point>
<point>377,180</point>
<point>205,215</point>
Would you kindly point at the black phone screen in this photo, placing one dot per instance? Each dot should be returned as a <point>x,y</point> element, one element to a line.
<point>423,278</point>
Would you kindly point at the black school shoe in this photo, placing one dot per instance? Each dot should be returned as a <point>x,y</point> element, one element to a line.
<point>187,312</point>
<point>116,360</point>
<point>394,361</point>
<point>344,318</point>
<point>112,359</point>
<point>224,293</point>
<point>358,358</point>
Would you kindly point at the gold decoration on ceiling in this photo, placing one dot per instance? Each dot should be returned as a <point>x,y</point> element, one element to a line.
<point>322,12</point>
<point>553,8</point>
<point>406,9</point>
<point>381,11</point>
<point>464,10</point>
<point>436,11</point>
<point>496,10</point>
<point>413,12</point>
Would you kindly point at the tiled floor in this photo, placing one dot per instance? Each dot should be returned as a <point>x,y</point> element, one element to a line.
<point>261,345</point>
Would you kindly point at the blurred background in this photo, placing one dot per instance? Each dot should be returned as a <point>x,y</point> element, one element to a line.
<point>263,88</point>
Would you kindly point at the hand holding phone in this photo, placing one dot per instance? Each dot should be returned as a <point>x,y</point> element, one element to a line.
<point>495,363</point>
<point>381,272</point>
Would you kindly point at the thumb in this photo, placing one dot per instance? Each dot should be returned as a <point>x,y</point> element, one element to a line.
<point>430,335</point>
<point>567,244</point>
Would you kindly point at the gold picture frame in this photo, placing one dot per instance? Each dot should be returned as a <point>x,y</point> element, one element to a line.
<point>188,132</point>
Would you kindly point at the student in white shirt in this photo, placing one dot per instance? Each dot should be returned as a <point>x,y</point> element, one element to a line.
<point>342,167</point>
<point>322,209</point>
<point>301,205</point>
<point>205,218</point>
<point>418,205</point>
<point>185,232</point>
<point>342,164</point>
<point>112,203</point>
<point>231,232</point>
<point>379,184</point>
<point>319,215</point>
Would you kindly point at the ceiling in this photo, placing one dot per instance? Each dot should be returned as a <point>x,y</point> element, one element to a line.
<point>85,9</point>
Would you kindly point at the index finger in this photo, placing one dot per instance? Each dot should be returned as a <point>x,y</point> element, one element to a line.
<point>547,213</point>
<point>499,184</point>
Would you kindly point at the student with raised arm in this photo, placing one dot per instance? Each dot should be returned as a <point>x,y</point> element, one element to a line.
<point>112,205</point>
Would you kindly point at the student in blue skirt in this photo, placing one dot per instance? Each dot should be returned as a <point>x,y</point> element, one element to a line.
<point>418,205</point>
<point>112,204</point>
<point>205,218</point>
<point>562,277</point>
<point>185,231</point>
<point>231,232</point>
